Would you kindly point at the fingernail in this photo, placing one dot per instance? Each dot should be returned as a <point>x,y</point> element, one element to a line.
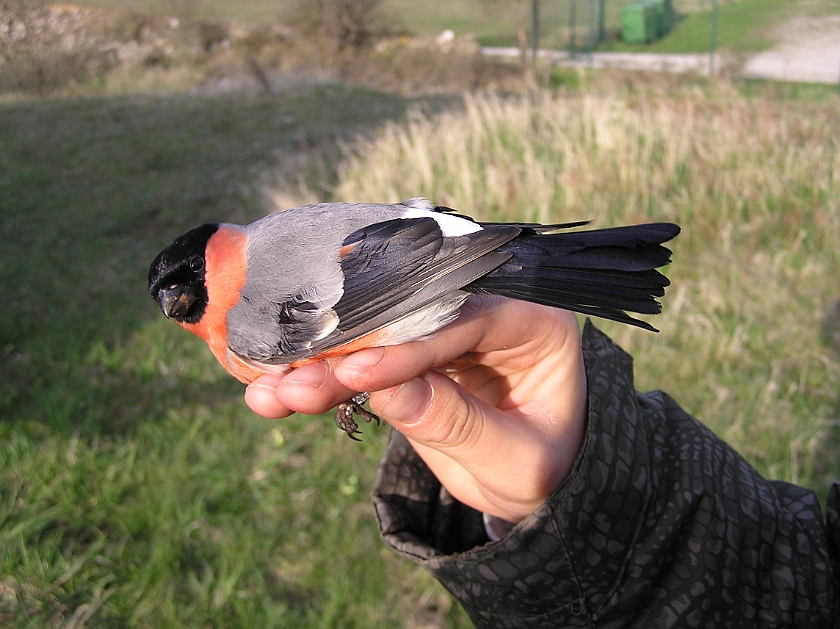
<point>259,388</point>
<point>363,360</point>
<point>260,392</point>
<point>409,403</point>
<point>314,375</point>
<point>262,400</point>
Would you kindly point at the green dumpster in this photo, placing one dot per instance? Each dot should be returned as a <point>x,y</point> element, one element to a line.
<point>664,15</point>
<point>639,23</point>
<point>668,16</point>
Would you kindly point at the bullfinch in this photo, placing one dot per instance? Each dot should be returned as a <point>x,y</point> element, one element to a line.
<point>325,280</point>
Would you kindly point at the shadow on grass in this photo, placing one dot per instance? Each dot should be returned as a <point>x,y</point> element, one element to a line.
<point>92,188</point>
<point>135,487</point>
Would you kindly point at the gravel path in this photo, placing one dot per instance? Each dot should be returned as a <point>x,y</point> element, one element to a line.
<point>808,51</point>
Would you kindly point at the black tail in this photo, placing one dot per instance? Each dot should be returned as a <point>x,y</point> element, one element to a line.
<point>603,272</point>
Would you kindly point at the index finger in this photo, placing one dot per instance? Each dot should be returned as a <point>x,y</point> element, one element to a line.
<point>485,324</point>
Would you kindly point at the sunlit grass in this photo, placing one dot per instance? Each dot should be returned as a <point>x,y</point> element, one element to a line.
<point>754,183</point>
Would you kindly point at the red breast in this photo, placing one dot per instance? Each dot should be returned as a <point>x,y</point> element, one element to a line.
<point>226,264</point>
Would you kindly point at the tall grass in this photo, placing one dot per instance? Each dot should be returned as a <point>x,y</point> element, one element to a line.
<point>755,183</point>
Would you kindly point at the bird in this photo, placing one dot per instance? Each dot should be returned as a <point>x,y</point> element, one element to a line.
<point>328,279</point>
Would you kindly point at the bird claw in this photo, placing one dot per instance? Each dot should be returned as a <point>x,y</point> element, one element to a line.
<point>345,412</point>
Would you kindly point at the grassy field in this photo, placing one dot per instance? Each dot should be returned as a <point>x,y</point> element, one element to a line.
<point>743,25</point>
<point>136,490</point>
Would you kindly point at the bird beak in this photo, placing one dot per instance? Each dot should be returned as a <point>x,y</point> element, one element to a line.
<point>176,302</point>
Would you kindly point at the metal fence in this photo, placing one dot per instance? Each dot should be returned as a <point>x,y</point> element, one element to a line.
<point>581,25</point>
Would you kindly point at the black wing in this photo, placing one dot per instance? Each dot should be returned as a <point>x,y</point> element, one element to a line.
<point>395,267</point>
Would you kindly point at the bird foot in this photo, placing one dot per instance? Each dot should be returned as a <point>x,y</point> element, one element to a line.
<point>345,412</point>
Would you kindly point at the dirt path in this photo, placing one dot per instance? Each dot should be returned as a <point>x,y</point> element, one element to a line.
<point>808,51</point>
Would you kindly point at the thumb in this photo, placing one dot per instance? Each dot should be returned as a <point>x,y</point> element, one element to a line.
<point>460,438</point>
<point>433,410</point>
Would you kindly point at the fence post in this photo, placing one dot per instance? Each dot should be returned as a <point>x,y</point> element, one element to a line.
<point>601,20</point>
<point>535,29</point>
<point>713,38</point>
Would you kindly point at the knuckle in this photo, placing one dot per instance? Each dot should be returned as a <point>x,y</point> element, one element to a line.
<point>457,421</point>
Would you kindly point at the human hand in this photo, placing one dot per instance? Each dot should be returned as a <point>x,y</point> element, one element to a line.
<point>494,403</point>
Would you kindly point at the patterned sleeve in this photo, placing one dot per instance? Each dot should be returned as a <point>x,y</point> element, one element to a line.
<point>659,524</point>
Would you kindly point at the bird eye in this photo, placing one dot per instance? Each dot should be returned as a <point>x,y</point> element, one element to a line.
<point>196,264</point>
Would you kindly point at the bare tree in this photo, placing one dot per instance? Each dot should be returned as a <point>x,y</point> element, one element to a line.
<point>340,23</point>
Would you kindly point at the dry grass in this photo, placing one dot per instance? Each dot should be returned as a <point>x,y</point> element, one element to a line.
<point>753,181</point>
<point>61,49</point>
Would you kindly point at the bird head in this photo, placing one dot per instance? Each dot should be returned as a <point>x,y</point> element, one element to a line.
<point>177,274</point>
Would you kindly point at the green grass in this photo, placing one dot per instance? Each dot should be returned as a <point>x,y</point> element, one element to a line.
<point>136,489</point>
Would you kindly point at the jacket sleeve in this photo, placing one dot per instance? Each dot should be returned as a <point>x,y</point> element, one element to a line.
<point>660,524</point>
